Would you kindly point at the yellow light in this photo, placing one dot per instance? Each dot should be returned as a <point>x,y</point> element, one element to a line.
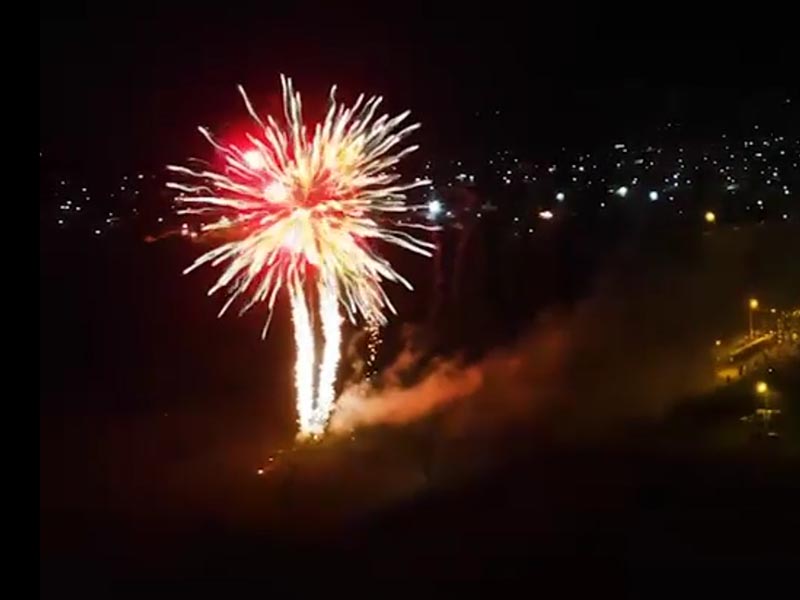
<point>710,217</point>
<point>753,304</point>
<point>718,343</point>
<point>761,387</point>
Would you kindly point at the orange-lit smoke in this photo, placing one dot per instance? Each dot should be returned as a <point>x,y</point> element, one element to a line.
<point>591,366</point>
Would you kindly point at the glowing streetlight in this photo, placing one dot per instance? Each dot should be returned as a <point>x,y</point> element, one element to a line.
<point>762,388</point>
<point>710,217</point>
<point>753,304</point>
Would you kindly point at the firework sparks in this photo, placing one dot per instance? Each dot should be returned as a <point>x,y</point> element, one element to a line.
<point>304,363</point>
<point>332,332</point>
<point>374,342</point>
<point>307,207</point>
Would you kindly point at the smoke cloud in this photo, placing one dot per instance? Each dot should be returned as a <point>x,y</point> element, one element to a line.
<point>633,348</point>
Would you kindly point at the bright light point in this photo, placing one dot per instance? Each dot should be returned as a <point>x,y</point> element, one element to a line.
<point>710,217</point>
<point>276,193</point>
<point>546,214</point>
<point>560,196</point>
<point>260,471</point>
<point>785,216</point>
<point>753,304</point>
<point>718,343</point>
<point>653,196</point>
<point>253,159</point>
<point>435,208</point>
<point>622,191</point>
<point>761,387</point>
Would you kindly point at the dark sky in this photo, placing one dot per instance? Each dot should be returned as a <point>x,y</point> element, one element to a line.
<point>126,88</point>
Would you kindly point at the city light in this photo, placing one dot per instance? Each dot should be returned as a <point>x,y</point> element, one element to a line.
<point>756,163</point>
<point>761,387</point>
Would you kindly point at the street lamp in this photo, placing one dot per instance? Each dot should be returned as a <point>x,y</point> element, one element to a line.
<point>753,304</point>
<point>710,217</point>
<point>765,411</point>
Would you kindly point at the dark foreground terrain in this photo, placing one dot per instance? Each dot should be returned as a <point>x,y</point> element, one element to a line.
<point>155,418</point>
<point>700,494</point>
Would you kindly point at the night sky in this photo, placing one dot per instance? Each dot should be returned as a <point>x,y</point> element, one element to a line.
<point>121,89</point>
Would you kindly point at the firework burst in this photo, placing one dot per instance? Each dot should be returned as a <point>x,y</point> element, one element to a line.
<point>303,211</point>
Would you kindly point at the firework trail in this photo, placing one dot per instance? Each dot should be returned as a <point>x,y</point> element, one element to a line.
<point>332,332</point>
<point>304,364</point>
<point>303,210</point>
